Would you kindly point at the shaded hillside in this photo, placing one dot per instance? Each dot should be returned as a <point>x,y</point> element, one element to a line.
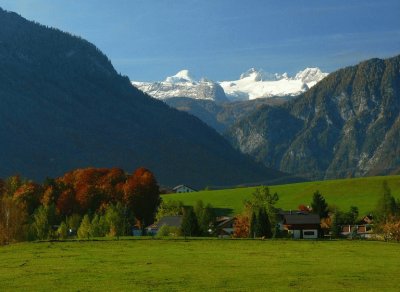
<point>221,116</point>
<point>63,106</point>
<point>347,125</point>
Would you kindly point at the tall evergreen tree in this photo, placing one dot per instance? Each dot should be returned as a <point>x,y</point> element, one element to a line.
<point>207,220</point>
<point>253,225</point>
<point>263,224</point>
<point>189,225</point>
<point>386,205</point>
<point>319,205</point>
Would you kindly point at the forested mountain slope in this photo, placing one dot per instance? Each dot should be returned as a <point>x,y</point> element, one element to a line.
<point>63,106</point>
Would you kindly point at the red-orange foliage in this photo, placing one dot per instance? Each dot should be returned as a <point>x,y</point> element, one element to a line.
<point>48,197</point>
<point>95,187</point>
<point>66,203</point>
<point>142,195</point>
<point>303,208</point>
<point>241,228</point>
<point>29,194</point>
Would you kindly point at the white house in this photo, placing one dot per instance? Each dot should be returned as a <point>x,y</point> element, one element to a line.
<point>183,189</point>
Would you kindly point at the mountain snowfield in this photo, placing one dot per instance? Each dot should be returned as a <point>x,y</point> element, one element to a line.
<point>251,85</point>
<point>183,85</point>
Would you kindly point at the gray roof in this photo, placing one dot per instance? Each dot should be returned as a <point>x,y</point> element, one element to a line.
<point>177,187</point>
<point>173,221</point>
<point>301,218</point>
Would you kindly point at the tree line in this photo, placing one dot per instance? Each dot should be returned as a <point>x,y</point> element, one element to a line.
<point>111,200</point>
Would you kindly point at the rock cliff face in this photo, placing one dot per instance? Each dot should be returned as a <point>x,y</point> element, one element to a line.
<point>346,125</point>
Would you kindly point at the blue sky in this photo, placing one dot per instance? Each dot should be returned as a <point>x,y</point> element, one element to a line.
<point>219,39</point>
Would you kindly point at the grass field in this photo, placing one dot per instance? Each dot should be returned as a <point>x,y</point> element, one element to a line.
<point>202,264</point>
<point>360,192</point>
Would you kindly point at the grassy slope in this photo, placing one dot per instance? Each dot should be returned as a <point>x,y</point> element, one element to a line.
<point>197,265</point>
<point>360,192</point>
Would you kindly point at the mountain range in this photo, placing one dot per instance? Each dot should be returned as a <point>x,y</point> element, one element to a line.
<point>251,85</point>
<point>347,125</point>
<point>63,106</point>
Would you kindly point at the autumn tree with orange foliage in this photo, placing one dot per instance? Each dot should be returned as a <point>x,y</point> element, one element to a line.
<point>390,229</point>
<point>142,195</point>
<point>13,217</point>
<point>303,208</point>
<point>241,228</point>
<point>66,204</point>
<point>93,188</point>
<point>29,194</point>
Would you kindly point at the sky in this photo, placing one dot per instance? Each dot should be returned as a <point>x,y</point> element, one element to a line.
<point>149,40</point>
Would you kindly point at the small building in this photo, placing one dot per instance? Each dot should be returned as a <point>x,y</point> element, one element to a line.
<point>301,224</point>
<point>183,189</point>
<point>224,226</point>
<point>361,231</point>
<point>171,221</point>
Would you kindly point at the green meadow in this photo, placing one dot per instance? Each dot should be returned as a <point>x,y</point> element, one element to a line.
<point>199,265</point>
<point>342,193</point>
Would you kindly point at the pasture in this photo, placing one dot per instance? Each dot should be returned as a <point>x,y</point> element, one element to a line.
<point>342,193</point>
<point>199,265</point>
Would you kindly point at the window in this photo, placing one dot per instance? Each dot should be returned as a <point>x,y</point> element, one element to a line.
<point>309,233</point>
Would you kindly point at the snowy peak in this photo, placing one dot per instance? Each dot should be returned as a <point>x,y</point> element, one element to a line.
<point>256,83</point>
<point>180,77</point>
<point>310,75</point>
<point>182,84</point>
<point>259,75</point>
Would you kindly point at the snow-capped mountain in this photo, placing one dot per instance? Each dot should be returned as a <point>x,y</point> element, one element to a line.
<point>257,83</point>
<point>252,84</point>
<point>183,85</point>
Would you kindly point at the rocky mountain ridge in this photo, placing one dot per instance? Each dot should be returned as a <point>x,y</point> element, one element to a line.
<point>347,125</point>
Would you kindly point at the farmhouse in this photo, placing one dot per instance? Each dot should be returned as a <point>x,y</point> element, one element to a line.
<point>183,189</point>
<point>171,221</point>
<point>301,224</point>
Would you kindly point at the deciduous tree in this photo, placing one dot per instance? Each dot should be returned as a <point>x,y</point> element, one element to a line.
<point>169,208</point>
<point>85,229</point>
<point>142,195</point>
<point>13,217</point>
<point>241,227</point>
<point>43,220</point>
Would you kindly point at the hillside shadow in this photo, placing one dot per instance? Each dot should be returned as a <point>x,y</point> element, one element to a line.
<point>223,211</point>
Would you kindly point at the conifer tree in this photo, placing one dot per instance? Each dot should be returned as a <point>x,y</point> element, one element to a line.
<point>263,224</point>
<point>319,205</point>
<point>189,223</point>
<point>253,225</point>
<point>386,206</point>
